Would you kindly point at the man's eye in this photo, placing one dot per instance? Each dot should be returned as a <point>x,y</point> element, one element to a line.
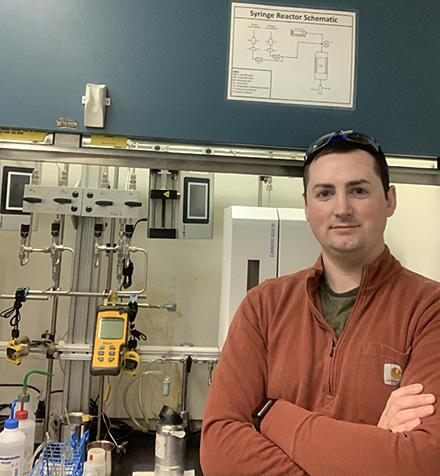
<point>323,194</point>
<point>359,191</point>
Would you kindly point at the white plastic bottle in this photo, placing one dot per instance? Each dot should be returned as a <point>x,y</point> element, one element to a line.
<point>98,457</point>
<point>12,447</point>
<point>90,468</point>
<point>27,426</point>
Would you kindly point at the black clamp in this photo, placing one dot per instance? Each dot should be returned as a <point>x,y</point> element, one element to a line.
<point>48,336</point>
<point>188,364</point>
<point>132,311</point>
<point>135,334</point>
<point>99,228</point>
<point>129,230</point>
<point>46,342</point>
<point>127,273</point>
<point>20,296</point>
<point>24,230</point>
<point>55,228</point>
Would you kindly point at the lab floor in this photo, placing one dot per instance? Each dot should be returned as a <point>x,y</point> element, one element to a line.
<point>140,455</point>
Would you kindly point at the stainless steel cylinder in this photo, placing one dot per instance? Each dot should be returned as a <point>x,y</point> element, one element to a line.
<point>73,423</point>
<point>170,450</point>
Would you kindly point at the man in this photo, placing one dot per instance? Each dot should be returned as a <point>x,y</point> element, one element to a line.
<point>334,370</point>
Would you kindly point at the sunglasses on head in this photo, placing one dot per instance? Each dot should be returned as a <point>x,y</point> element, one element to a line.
<point>364,141</point>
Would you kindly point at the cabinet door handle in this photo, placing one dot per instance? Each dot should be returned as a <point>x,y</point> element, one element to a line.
<point>32,199</point>
<point>62,200</point>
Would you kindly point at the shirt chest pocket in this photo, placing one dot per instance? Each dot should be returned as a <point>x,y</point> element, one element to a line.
<point>379,372</point>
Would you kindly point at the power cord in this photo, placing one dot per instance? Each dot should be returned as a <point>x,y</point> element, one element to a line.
<point>138,221</point>
<point>13,313</point>
<point>20,385</point>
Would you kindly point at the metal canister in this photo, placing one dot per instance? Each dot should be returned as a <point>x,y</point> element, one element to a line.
<point>73,423</point>
<point>170,444</point>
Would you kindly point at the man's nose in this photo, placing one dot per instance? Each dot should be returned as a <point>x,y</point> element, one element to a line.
<point>343,205</point>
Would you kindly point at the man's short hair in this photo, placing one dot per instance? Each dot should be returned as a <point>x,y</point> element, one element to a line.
<point>341,146</point>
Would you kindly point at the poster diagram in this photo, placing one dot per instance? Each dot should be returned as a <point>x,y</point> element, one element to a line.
<point>292,55</point>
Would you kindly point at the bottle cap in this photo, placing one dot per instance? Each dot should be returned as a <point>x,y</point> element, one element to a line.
<point>21,414</point>
<point>11,424</point>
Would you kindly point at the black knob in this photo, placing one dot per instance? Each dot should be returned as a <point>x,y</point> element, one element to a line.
<point>74,209</point>
<point>88,209</point>
<point>89,195</point>
<point>75,194</point>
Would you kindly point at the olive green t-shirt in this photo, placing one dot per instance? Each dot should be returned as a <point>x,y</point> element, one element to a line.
<point>336,306</point>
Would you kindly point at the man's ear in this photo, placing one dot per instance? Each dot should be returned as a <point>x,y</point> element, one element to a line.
<point>306,208</point>
<point>391,201</point>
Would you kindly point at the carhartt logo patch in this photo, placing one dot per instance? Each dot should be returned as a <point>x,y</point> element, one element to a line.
<point>392,374</point>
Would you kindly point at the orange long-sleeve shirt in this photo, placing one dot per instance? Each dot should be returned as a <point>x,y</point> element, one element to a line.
<point>331,392</point>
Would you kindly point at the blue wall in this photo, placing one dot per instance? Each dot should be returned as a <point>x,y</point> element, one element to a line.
<point>165,64</point>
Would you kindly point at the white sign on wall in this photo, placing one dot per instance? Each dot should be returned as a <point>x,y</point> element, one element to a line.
<point>292,55</point>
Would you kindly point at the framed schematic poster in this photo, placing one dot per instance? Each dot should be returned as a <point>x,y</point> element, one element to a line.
<point>292,55</point>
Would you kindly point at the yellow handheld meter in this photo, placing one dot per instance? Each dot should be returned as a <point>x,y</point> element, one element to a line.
<point>110,339</point>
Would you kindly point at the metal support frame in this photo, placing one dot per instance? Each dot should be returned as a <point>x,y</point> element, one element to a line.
<point>83,353</point>
<point>77,377</point>
<point>53,328</point>
<point>107,288</point>
<point>223,159</point>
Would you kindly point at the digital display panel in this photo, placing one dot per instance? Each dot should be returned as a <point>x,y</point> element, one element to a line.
<point>196,200</point>
<point>111,328</point>
<point>13,181</point>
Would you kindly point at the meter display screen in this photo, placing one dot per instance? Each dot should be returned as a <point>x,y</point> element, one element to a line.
<point>111,328</point>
